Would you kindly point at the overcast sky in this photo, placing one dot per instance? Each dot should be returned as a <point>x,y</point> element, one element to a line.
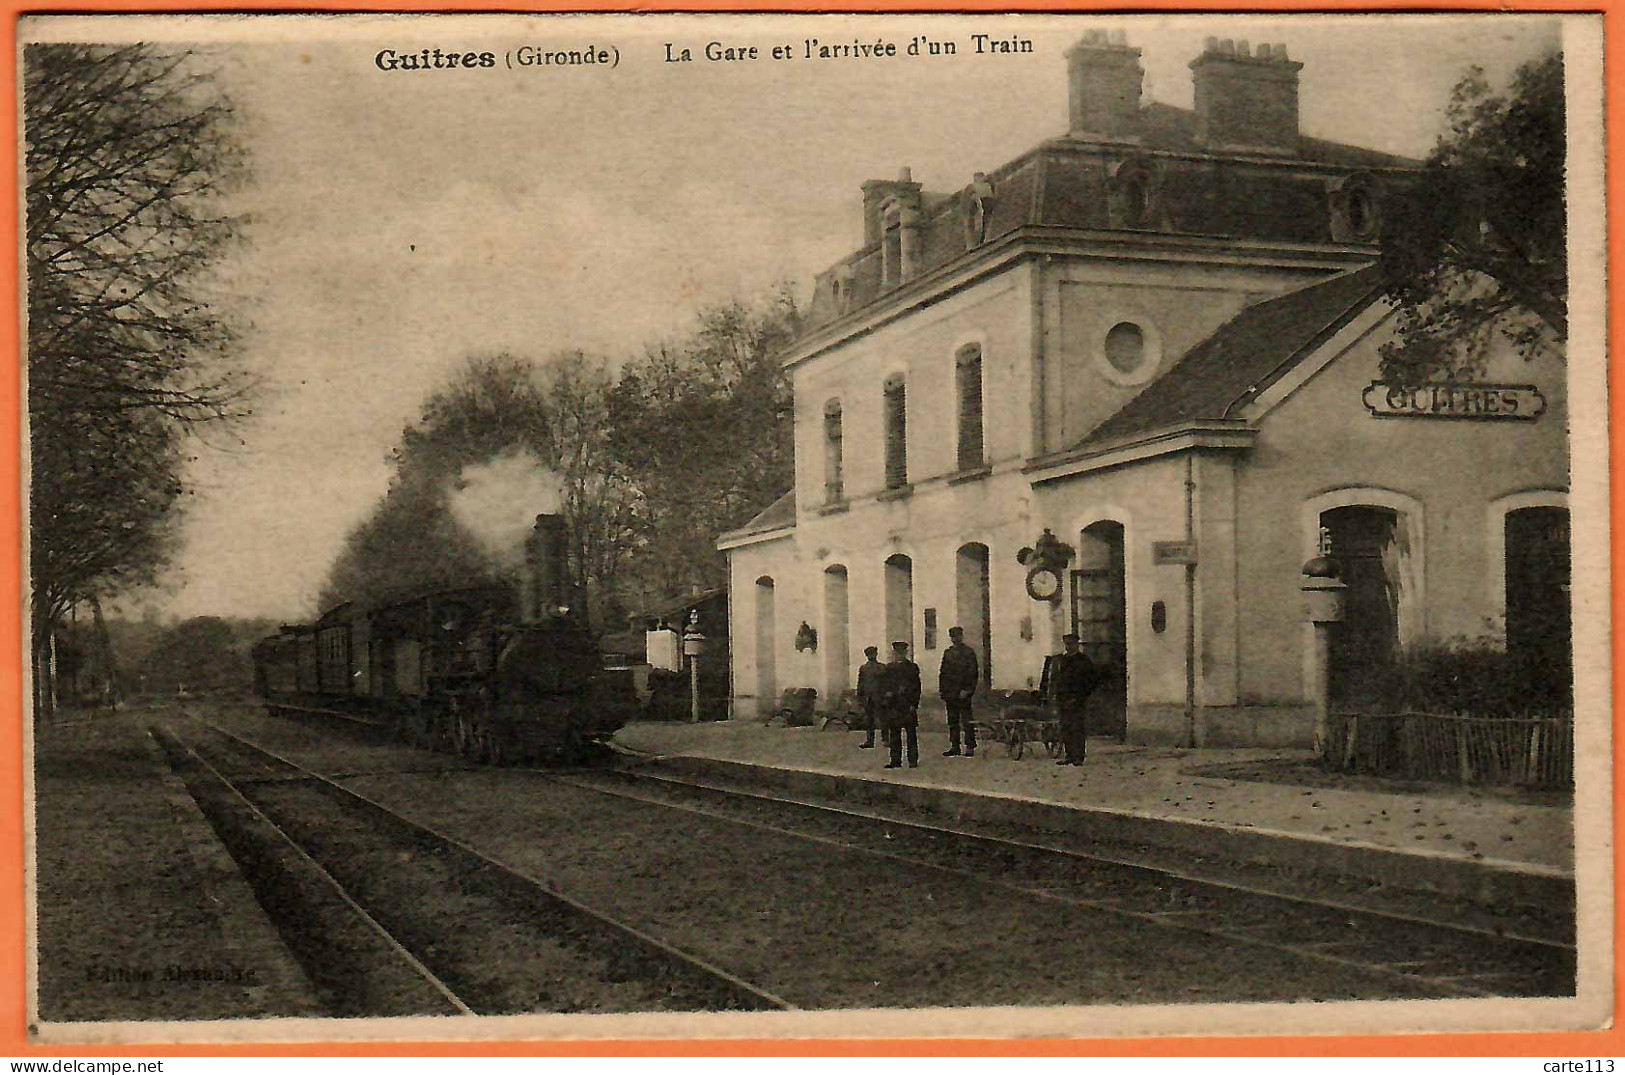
<point>404,220</point>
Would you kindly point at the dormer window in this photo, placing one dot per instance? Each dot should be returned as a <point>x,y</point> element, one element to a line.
<point>841,288</point>
<point>1131,195</point>
<point>1354,210</point>
<point>978,210</point>
<point>891,247</point>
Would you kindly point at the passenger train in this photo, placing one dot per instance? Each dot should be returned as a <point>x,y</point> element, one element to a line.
<point>487,672</point>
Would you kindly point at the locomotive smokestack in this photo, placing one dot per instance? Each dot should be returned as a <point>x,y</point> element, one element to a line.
<point>543,589</point>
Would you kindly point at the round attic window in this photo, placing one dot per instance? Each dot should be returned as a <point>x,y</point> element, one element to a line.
<point>1125,347</point>
<point>1129,351</point>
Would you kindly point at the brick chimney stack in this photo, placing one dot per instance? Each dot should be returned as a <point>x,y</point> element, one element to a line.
<point>876,193</point>
<point>1246,101</point>
<point>1103,77</point>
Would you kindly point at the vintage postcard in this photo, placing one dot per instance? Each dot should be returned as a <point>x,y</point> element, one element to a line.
<point>887,526</point>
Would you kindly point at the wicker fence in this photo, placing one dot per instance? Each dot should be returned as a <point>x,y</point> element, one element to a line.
<point>1530,752</point>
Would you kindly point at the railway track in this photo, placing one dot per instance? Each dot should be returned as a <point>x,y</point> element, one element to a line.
<point>390,917</point>
<point>1416,956</point>
<point>1452,958</point>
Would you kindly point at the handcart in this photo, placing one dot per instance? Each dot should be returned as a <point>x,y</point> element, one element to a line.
<point>1022,726</point>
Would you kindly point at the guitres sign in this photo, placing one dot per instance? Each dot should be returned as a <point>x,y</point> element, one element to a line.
<point>1444,399</point>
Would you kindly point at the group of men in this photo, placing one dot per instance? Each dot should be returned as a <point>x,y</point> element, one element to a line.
<point>890,696</point>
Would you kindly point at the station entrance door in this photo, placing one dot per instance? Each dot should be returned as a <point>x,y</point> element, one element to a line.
<point>1100,620</point>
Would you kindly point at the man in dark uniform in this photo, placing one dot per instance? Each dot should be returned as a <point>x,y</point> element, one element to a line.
<point>901,703</point>
<point>1073,677</point>
<point>870,674</point>
<point>957,683</point>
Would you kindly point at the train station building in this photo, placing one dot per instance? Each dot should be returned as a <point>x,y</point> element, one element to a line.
<point>1157,338</point>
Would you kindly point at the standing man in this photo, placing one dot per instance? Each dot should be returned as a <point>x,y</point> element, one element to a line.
<point>1072,678</point>
<point>870,687</point>
<point>957,683</point>
<point>901,706</point>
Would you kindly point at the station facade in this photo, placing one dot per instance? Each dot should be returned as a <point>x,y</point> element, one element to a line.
<point>1157,338</point>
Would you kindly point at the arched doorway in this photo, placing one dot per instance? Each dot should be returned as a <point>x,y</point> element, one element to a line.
<point>1100,620</point>
<point>973,601</point>
<point>766,678</point>
<point>899,601</point>
<point>1538,629</point>
<point>835,643</point>
<point>1369,544</point>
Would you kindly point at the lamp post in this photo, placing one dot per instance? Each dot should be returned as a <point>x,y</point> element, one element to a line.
<point>693,648</point>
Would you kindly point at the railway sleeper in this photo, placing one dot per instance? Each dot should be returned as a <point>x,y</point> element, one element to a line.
<point>356,971</point>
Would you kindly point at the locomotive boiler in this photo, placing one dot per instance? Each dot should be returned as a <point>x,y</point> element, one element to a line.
<point>495,673</point>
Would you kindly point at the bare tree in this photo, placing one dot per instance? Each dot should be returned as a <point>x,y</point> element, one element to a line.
<point>598,499</point>
<point>129,151</point>
<point>703,427</point>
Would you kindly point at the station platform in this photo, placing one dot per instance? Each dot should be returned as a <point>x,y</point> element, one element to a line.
<point>142,913</point>
<point>1267,807</point>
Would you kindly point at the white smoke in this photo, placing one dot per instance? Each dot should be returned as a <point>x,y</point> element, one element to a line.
<point>498,502</point>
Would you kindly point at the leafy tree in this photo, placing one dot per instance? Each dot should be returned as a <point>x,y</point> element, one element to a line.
<point>202,655</point>
<point>1478,251</point>
<point>128,152</point>
<point>703,428</point>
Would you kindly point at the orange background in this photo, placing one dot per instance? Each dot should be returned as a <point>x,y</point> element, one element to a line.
<point>13,952</point>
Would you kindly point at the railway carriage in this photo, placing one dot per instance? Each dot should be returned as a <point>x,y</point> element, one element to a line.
<point>484,671</point>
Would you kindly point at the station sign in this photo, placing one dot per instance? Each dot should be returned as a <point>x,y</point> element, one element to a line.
<point>1173,552</point>
<point>1453,399</point>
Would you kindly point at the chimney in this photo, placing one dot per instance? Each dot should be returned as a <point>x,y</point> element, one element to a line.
<point>876,193</point>
<point>1103,77</point>
<point>543,587</point>
<point>1246,101</point>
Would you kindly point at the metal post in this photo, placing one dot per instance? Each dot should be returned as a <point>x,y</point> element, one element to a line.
<point>694,689</point>
<point>693,647</point>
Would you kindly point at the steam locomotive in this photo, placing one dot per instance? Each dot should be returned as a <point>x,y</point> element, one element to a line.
<point>483,671</point>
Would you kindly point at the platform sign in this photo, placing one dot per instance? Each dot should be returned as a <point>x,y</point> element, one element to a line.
<point>1448,399</point>
<point>1173,552</point>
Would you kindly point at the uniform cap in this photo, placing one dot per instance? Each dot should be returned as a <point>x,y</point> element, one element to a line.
<point>1069,638</point>
<point>899,645</point>
<point>870,651</point>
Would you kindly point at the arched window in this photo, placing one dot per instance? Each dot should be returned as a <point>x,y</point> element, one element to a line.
<point>968,380</point>
<point>834,486</point>
<point>896,417</point>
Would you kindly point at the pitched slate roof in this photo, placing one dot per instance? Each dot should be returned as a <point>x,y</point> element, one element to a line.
<point>776,516</point>
<point>1247,354</point>
<point>1065,183</point>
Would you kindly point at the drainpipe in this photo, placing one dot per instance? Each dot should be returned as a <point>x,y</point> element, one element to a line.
<point>1190,602</point>
<point>1040,391</point>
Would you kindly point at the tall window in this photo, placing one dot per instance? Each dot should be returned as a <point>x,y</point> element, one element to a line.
<point>968,378</point>
<point>833,483</point>
<point>896,405</point>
